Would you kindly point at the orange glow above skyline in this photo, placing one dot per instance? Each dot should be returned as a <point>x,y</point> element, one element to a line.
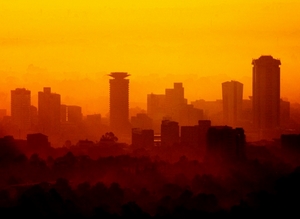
<point>195,42</point>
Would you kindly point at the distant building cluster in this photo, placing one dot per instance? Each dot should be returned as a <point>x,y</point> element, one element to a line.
<point>222,124</point>
<point>169,119</point>
<point>172,105</point>
<point>51,117</point>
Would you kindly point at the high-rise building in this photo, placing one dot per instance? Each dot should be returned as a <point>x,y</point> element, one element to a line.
<point>266,93</point>
<point>169,133</point>
<point>142,138</point>
<point>49,111</point>
<point>232,93</point>
<point>195,136</point>
<point>119,102</point>
<point>70,114</point>
<point>224,142</point>
<point>20,108</point>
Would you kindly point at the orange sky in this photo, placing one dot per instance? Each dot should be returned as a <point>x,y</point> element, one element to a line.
<point>200,43</point>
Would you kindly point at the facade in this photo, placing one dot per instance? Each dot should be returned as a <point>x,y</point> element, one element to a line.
<point>195,136</point>
<point>189,136</point>
<point>172,105</point>
<point>189,115</point>
<point>266,93</point>
<point>49,111</point>
<point>142,138</point>
<point>232,94</point>
<point>175,101</point>
<point>203,125</point>
<point>142,121</point>
<point>94,119</point>
<point>156,106</point>
<point>169,133</point>
<point>225,143</point>
<point>119,102</point>
<point>70,114</point>
<point>212,110</point>
<point>156,109</point>
<point>21,108</point>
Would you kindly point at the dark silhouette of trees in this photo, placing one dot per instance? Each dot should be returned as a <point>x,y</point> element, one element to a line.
<point>109,137</point>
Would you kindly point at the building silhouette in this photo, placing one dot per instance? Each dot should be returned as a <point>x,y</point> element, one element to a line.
<point>156,109</point>
<point>225,143</point>
<point>203,125</point>
<point>49,111</point>
<point>93,119</point>
<point>175,101</point>
<point>142,138</point>
<point>119,102</point>
<point>195,136</point>
<point>232,94</point>
<point>169,133</point>
<point>266,94</point>
<point>142,121</point>
<point>21,109</point>
<point>189,136</point>
<point>172,105</point>
<point>212,110</point>
<point>70,114</point>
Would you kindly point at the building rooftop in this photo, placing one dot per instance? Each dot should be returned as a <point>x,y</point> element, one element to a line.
<point>266,59</point>
<point>21,91</point>
<point>119,75</point>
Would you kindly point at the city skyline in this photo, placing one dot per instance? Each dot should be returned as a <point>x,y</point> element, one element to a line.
<point>149,109</point>
<point>104,108</point>
<point>71,44</point>
<point>264,115</point>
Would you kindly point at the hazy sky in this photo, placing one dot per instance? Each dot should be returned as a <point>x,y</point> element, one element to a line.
<point>193,41</point>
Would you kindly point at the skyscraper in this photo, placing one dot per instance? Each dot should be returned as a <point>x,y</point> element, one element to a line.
<point>266,93</point>
<point>232,93</point>
<point>49,111</point>
<point>119,102</point>
<point>20,108</point>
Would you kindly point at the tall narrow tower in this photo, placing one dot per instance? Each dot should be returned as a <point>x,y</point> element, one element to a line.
<point>20,108</point>
<point>266,93</point>
<point>119,102</point>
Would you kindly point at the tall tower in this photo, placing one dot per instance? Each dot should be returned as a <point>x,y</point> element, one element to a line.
<point>266,93</point>
<point>119,102</point>
<point>20,108</point>
<point>49,111</point>
<point>232,93</point>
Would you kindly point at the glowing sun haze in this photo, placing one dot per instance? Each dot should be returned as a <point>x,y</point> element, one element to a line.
<point>200,43</point>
